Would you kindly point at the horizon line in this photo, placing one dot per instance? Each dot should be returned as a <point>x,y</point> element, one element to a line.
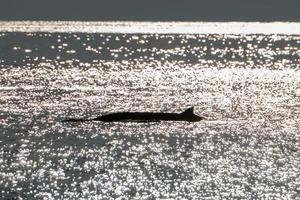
<point>149,27</point>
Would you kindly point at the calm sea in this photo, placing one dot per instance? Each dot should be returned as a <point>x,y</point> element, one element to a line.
<point>244,78</point>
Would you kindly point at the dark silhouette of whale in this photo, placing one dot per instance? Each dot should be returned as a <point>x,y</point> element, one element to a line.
<point>188,115</point>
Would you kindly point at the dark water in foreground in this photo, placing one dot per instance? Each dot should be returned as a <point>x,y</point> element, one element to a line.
<point>247,86</point>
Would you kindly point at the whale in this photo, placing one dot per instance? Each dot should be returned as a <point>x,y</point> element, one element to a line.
<point>187,115</point>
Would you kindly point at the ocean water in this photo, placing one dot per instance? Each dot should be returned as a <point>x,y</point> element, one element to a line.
<point>244,79</point>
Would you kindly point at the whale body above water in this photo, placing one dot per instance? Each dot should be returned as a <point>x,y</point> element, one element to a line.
<point>188,115</point>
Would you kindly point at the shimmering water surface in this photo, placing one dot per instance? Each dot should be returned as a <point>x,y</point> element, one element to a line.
<point>247,86</point>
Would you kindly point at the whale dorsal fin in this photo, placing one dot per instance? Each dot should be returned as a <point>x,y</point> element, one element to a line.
<point>189,111</point>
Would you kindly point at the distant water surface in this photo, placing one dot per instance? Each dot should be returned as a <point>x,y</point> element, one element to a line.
<point>242,77</point>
